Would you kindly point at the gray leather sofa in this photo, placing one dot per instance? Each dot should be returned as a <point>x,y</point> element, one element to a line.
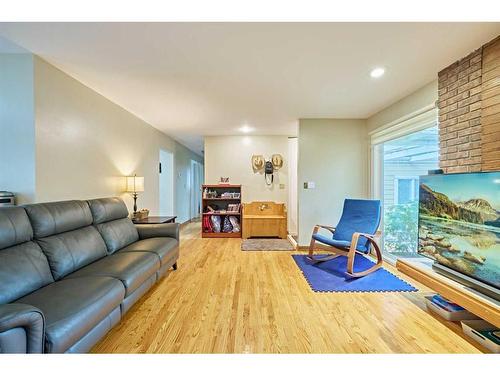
<point>70,270</point>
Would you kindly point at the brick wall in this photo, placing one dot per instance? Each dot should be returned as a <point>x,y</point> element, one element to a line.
<point>459,105</point>
<point>490,113</point>
<point>464,146</point>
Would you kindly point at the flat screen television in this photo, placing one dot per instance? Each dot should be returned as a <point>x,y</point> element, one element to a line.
<point>459,226</point>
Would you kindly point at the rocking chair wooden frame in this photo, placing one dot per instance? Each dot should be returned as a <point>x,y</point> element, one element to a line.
<point>349,253</point>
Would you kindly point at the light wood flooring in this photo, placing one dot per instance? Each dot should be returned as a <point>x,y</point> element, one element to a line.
<point>224,300</point>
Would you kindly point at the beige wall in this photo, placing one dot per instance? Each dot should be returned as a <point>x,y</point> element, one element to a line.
<point>423,97</point>
<point>86,143</point>
<point>230,156</point>
<point>17,133</point>
<point>334,155</point>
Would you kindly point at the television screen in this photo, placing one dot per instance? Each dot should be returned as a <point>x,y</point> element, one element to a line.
<point>459,223</point>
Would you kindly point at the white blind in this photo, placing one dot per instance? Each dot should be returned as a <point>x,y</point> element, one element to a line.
<point>418,120</point>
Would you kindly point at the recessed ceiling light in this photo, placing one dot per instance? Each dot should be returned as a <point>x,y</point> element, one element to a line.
<point>377,72</point>
<point>246,129</point>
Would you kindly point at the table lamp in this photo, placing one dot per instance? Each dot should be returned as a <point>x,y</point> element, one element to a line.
<point>135,185</point>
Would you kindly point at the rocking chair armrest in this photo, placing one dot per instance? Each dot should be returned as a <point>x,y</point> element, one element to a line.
<point>366,235</point>
<point>327,227</point>
<point>370,237</point>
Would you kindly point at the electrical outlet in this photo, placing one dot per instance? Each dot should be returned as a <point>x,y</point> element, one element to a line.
<point>282,186</point>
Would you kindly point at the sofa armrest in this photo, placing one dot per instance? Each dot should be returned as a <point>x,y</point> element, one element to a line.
<point>22,329</point>
<point>158,230</point>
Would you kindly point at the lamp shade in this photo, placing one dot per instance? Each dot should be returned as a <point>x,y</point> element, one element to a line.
<point>135,184</point>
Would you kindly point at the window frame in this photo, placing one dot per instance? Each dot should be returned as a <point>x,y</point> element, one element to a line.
<point>416,121</point>
<point>414,189</point>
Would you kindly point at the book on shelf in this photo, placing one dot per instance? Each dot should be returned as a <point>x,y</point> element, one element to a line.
<point>234,207</point>
<point>445,304</point>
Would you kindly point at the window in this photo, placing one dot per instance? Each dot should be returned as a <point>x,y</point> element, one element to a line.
<point>405,189</point>
<point>398,163</point>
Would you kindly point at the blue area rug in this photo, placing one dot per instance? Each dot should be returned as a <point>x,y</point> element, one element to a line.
<point>330,276</point>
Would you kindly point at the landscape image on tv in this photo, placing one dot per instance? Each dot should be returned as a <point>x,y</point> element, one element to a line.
<point>459,223</point>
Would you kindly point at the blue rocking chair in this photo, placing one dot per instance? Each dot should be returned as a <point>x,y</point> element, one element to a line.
<point>356,232</point>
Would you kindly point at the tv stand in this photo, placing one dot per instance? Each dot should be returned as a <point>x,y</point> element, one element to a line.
<point>477,303</point>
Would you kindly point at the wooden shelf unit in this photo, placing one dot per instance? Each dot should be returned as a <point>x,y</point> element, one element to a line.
<point>222,213</point>
<point>221,203</point>
<point>222,199</point>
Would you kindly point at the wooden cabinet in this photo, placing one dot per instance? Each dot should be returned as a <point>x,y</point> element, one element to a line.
<point>220,198</point>
<point>264,219</point>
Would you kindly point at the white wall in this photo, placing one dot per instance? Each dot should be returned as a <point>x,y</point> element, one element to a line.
<point>333,154</point>
<point>415,101</point>
<point>293,148</point>
<point>17,132</point>
<point>86,143</point>
<point>230,156</point>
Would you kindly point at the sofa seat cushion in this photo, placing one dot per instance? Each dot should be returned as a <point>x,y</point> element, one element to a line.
<point>72,307</point>
<point>165,247</point>
<point>132,268</point>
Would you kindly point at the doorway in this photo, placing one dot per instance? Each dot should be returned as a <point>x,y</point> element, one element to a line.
<point>166,181</point>
<point>293,146</point>
<point>196,181</point>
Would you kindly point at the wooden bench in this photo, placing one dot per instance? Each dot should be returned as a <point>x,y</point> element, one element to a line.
<point>264,219</point>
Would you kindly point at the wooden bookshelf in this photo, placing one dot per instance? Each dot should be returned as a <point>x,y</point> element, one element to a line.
<point>230,213</point>
<point>220,203</point>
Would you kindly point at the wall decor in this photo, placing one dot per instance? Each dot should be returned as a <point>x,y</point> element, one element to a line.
<point>268,166</point>
<point>257,163</point>
<point>277,161</point>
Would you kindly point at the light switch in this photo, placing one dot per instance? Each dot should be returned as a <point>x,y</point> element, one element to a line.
<point>309,185</point>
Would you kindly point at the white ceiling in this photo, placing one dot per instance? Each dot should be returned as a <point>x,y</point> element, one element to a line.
<point>196,79</point>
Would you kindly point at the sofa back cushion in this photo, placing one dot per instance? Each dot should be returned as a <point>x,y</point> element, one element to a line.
<point>111,220</point>
<point>52,218</point>
<point>15,227</point>
<point>23,266</point>
<point>65,233</point>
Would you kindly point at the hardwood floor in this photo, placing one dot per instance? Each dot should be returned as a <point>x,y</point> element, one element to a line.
<point>223,300</point>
